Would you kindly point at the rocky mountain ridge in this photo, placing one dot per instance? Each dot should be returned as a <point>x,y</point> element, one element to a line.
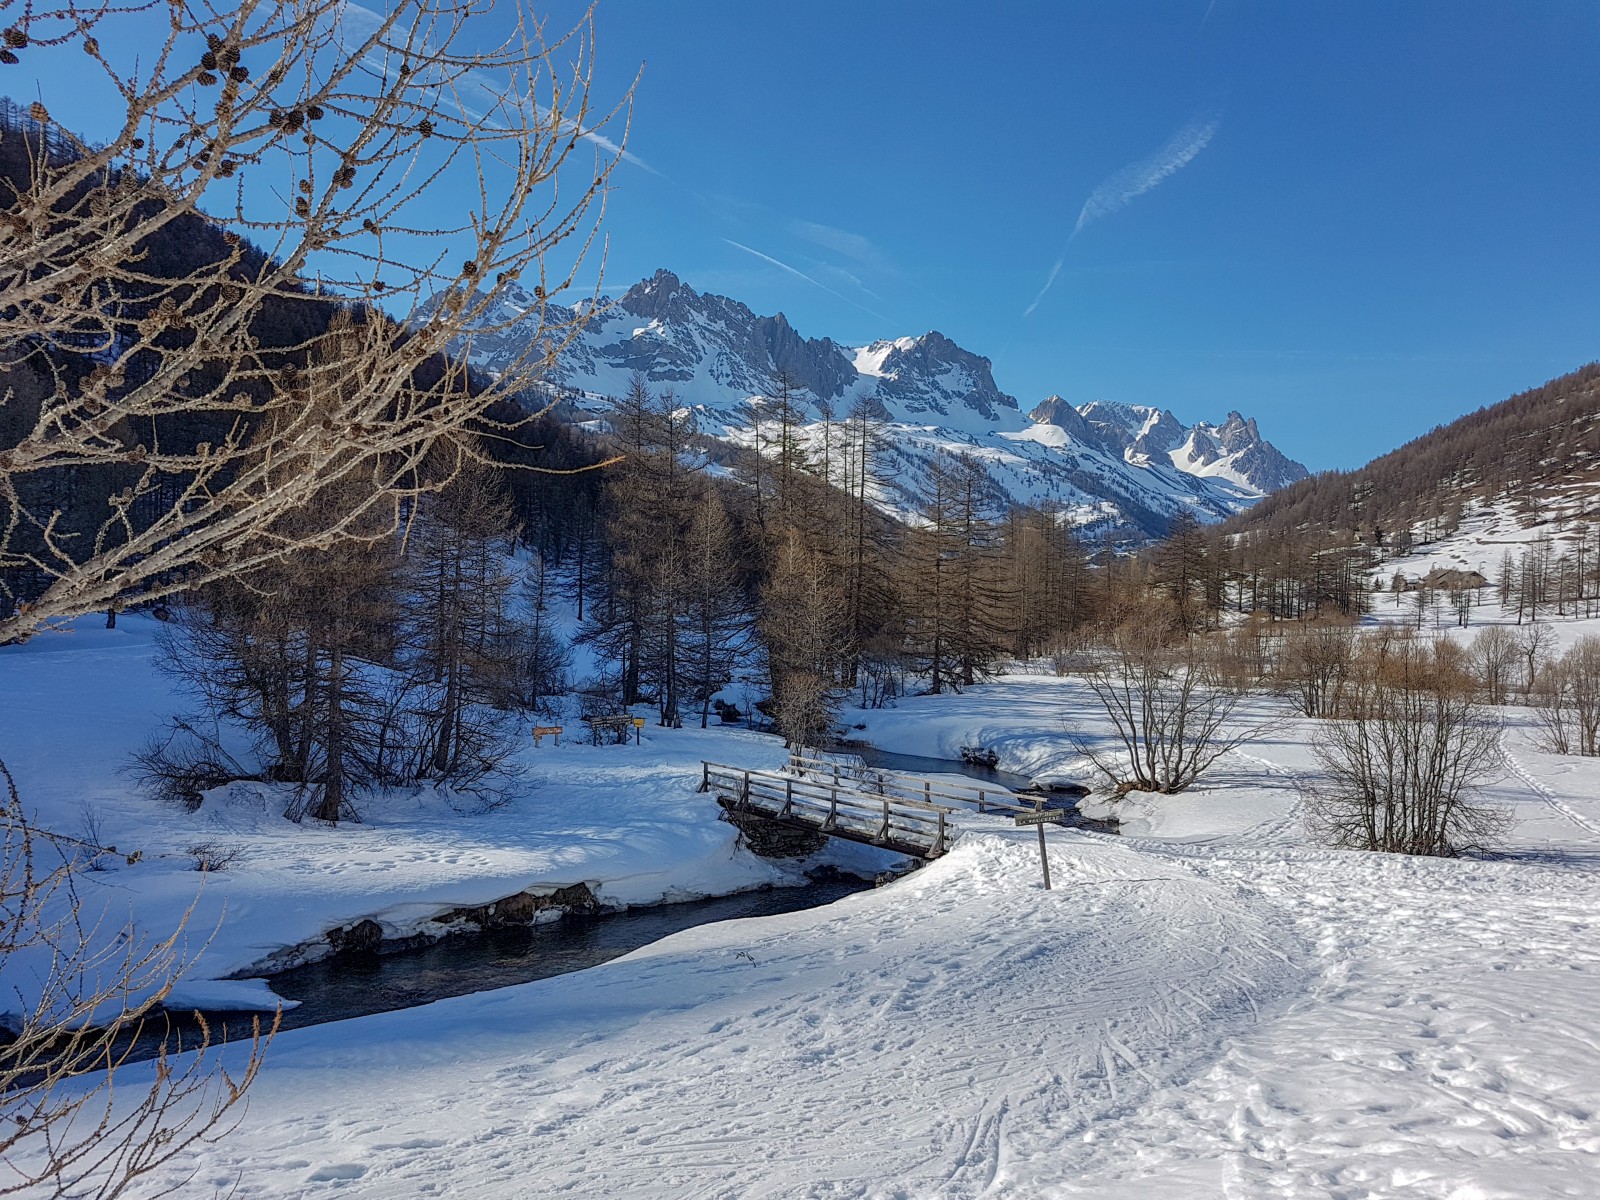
<point>1127,465</point>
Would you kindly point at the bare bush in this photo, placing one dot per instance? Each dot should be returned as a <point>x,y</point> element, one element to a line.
<point>1171,717</point>
<point>1405,764</point>
<point>1566,700</point>
<point>77,1120</point>
<point>1315,663</point>
<point>214,856</point>
<point>205,403</point>
<point>1551,700</point>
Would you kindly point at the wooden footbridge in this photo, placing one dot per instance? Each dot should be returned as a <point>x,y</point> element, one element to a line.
<point>905,813</point>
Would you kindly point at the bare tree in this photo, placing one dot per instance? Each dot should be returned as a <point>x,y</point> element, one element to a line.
<point>1535,641</point>
<point>1171,718</point>
<point>213,400</point>
<point>1566,700</point>
<point>76,1123</point>
<point>1315,663</point>
<point>458,636</point>
<point>1404,767</point>
<point>1495,655</point>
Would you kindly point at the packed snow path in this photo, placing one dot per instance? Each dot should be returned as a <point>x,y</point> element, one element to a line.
<point>947,1034</point>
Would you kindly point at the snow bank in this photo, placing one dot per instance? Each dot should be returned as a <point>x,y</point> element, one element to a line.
<point>625,820</point>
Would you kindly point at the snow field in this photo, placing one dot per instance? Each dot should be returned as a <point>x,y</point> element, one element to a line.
<point>1208,1007</point>
<point>942,1036</point>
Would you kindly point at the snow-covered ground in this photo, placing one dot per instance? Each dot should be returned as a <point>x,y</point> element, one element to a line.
<point>1213,1007</point>
<point>625,820</point>
<point>1486,535</point>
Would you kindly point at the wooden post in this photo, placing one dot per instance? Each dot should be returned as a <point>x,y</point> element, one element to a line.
<point>884,832</point>
<point>1039,818</point>
<point>940,846</point>
<point>788,797</point>
<point>980,799</point>
<point>833,810</point>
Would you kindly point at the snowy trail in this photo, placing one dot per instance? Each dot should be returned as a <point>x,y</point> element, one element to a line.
<point>1544,793</point>
<point>860,1047</point>
<point>1443,1052</point>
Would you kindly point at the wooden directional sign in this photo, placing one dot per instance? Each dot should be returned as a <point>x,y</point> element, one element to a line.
<point>1042,817</point>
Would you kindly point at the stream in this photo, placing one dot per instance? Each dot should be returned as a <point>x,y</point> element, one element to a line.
<point>916,764</point>
<point>338,988</point>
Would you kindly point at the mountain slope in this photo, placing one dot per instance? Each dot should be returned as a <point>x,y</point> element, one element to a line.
<point>1127,466</point>
<point>1537,455</point>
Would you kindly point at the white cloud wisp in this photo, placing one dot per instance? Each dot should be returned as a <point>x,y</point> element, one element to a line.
<point>1134,180</point>
<point>1119,190</point>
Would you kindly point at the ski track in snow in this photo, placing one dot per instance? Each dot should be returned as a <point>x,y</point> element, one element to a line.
<point>1540,790</point>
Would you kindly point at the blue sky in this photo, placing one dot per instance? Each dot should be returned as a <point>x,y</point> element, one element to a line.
<point>1353,221</point>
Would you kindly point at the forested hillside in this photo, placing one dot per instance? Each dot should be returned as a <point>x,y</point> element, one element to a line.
<point>1538,449</point>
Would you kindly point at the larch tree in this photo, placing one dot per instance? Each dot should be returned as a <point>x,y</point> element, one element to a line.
<point>715,619</point>
<point>460,640</point>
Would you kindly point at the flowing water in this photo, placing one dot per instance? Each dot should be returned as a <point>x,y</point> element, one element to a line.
<point>356,986</point>
<point>337,988</point>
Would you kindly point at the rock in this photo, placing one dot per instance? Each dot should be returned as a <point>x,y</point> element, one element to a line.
<point>364,937</point>
<point>524,907</point>
<point>473,914</point>
<point>519,909</point>
<point>574,896</point>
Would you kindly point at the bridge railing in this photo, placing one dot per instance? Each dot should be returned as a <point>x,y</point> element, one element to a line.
<point>834,807</point>
<point>984,797</point>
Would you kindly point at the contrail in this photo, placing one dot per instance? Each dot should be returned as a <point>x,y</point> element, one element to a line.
<point>781,265</point>
<point>1048,284</point>
<point>1134,180</point>
<point>795,271</point>
<point>1138,178</point>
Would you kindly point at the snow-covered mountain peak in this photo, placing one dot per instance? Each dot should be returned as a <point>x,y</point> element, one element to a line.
<point>873,360</point>
<point>930,379</point>
<point>1129,463</point>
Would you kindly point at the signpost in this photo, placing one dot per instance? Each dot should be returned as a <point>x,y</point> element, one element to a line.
<point>1042,817</point>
